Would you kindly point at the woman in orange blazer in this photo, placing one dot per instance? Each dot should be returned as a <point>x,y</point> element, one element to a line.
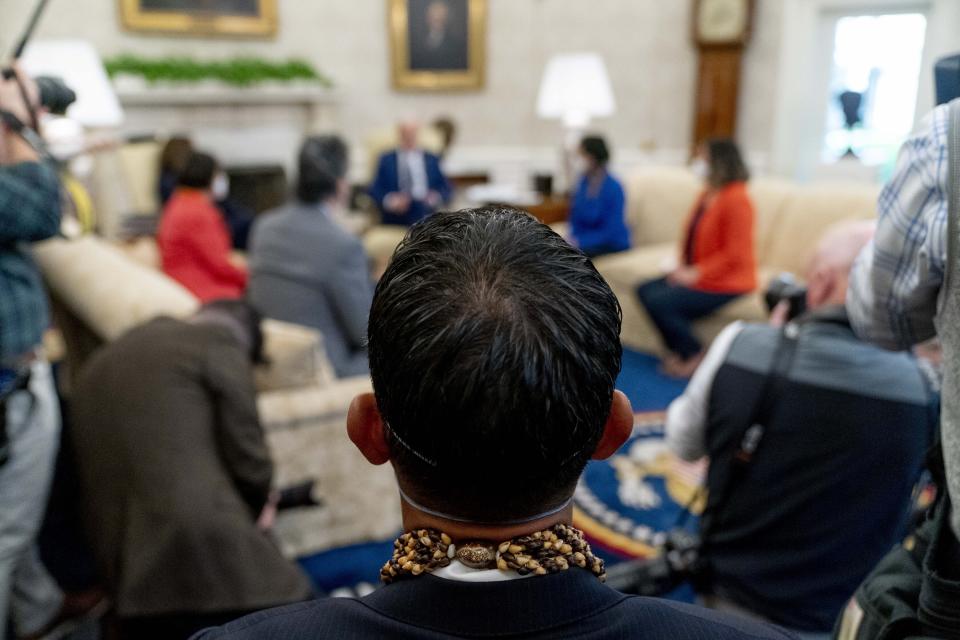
<point>717,262</point>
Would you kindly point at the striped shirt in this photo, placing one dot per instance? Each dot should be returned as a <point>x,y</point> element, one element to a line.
<point>29,211</point>
<point>894,292</point>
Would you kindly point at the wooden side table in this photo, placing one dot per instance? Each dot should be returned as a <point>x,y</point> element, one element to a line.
<point>552,210</point>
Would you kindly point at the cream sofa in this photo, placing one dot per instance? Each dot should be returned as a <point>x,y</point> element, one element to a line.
<point>790,219</point>
<point>100,292</point>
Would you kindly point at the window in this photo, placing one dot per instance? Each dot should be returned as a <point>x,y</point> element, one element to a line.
<point>873,86</point>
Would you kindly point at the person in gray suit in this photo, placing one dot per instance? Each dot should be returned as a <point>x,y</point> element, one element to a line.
<point>306,269</point>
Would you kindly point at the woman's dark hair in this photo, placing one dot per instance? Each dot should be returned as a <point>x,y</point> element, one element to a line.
<point>198,172</point>
<point>176,152</point>
<point>726,163</point>
<point>322,162</point>
<point>596,148</point>
<point>494,348</point>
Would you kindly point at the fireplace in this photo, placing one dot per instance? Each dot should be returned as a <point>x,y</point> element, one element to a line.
<point>249,127</point>
<point>258,187</point>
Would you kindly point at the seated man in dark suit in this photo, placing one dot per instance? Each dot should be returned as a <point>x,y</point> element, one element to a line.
<point>494,347</point>
<point>175,475</point>
<point>409,184</point>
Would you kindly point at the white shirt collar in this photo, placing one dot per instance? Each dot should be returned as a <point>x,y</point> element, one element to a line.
<point>462,573</point>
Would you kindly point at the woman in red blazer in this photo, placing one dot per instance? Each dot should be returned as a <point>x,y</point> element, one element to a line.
<point>717,261</point>
<point>193,238</point>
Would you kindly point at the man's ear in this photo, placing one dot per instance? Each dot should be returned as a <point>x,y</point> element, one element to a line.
<point>618,428</point>
<point>821,288</point>
<point>365,429</point>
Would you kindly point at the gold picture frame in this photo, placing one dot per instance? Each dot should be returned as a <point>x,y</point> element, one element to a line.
<point>193,23</point>
<point>425,67</point>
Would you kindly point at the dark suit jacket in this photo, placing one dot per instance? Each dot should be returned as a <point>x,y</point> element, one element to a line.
<point>563,605</point>
<point>387,181</point>
<point>173,471</point>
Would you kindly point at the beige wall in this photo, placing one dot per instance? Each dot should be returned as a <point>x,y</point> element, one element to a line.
<point>646,44</point>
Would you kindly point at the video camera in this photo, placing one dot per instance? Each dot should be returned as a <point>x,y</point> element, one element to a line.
<point>946,76</point>
<point>55,95</point>
<point>677,561</point>
<point>785,287</point>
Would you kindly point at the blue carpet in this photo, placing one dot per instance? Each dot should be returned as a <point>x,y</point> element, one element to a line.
<point>647,388</point>
<point>618,529</point>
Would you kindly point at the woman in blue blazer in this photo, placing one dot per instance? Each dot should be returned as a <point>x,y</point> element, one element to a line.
<point>597,222</point>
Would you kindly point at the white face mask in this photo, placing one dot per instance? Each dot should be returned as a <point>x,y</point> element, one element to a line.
<point>220,187</point>
<point>699,168</point>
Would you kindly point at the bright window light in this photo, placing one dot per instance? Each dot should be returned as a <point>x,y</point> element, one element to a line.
<point>877,57</point>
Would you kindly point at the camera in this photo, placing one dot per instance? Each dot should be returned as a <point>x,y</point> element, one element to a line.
<point>678,560</point>
<point>785,287</point>
<point>946,77</point>
<point>55,95</point>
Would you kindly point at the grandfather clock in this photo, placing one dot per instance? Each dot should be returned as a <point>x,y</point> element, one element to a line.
<point>721,29</point>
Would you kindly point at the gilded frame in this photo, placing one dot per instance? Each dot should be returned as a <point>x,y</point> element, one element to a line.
<point>134,18</point>
<point>407,79</point>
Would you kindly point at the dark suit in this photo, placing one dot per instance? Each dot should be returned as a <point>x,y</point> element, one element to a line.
<point>563,605</point>
<point>387,181</point>
<point>173,472</point>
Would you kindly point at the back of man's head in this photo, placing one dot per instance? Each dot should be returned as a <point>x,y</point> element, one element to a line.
<point>322,164</point>
<point>837,250</point>
<point>494,348</point>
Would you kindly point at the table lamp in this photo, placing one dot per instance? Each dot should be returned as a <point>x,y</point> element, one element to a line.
<point>80,67</point>
<point>575,88</point>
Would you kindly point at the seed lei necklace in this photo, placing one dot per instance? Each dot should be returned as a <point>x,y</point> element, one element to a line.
<point>543,552</point>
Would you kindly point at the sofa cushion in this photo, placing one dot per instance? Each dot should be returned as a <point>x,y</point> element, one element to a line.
<point>306,431</point>
<point>809,212</point>
<point>296,358</point>
<point>106,290</point>
<point>770,196</point>
<point>658,202</point>
<point>630,268</point>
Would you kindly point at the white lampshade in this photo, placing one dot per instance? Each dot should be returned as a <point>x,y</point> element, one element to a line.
<point>575,88</point>
<point>80,67</point>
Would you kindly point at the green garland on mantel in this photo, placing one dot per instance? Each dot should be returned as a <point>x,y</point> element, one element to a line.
<point>238,72</point>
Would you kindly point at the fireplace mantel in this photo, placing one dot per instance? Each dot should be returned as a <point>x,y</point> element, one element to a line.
<point>240,126</point>
<point>222,96</point>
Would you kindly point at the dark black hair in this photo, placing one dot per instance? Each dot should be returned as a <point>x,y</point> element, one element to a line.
<point>726,163</point>
<point>494,346</point>
<point>198,172</point>
<point>323,161</point>
<point>250,319</point>
<point>596,148</point>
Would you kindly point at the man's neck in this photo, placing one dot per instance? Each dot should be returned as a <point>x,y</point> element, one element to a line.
<point>414,519</point>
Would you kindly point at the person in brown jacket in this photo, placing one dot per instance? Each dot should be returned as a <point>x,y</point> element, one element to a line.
<point>175,474</point>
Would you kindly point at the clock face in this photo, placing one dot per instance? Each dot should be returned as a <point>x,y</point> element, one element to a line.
<point>722,21</point>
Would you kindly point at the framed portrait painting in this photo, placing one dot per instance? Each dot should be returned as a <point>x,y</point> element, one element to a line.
<point>438,44</point>
<point>242,18</point>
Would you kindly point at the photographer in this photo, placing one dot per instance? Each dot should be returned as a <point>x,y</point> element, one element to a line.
<point>815,439</point>
<point>29,418</point>
<point>903,291</point>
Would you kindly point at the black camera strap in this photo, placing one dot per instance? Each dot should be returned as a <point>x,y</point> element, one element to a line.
<point>760,415</point>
